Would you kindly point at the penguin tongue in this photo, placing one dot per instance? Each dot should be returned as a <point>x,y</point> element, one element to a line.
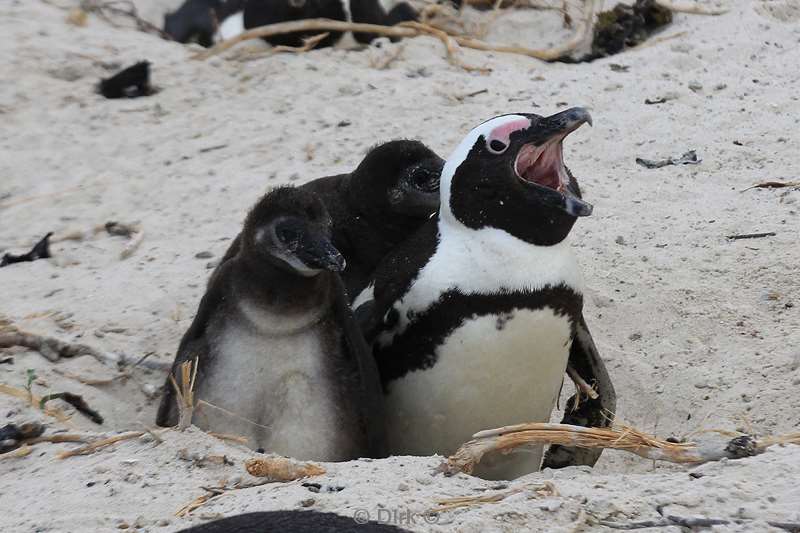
<point>542,165</point>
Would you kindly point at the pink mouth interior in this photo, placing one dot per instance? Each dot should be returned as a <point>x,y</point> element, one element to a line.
<point>543,165</point>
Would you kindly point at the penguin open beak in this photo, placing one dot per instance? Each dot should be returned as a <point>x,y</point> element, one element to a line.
<point>540,164</point>
<point>320,254</point>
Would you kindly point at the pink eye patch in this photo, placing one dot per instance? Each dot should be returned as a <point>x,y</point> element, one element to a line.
<point>503,132</point>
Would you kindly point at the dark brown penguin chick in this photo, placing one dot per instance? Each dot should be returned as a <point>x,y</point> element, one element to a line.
<point>280,358</point>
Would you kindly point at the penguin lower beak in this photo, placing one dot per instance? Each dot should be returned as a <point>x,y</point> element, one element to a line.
<point>413,202</point>
<point>541,164</point>
<point>321,254</point>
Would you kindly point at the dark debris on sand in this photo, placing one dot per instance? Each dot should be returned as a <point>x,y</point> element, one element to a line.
<point>40,251</point>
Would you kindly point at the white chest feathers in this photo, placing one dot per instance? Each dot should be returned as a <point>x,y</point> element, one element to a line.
<point>271,380</point>
<point>485,376</point>
<point>486,261</point>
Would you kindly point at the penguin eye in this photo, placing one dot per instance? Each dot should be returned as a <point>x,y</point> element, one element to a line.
<point>287,234</point>
<point>497,147</point>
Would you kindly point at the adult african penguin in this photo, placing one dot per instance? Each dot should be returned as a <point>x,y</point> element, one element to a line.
<point>474,318</point>
<point>257,13</point>
<point>392,192</point>
<point>199,20</point>
<point>280,357</point>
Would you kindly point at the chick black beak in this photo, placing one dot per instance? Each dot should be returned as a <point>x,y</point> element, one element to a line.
<point>320,253</point>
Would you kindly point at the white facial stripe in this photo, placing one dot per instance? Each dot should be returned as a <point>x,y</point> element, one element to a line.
<point>460,154</point>
<point>503,132</point>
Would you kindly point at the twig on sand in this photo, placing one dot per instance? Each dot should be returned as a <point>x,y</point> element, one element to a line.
<point>54,349</point>
<point>98,444</point>
<point>751,235</point>
<point>132,245</point>
<point>214,493</point>
<point>412,29</point>
<point>656,40</point>
<point>545,489</point>
<point>58,438</point>
<point>692,9</point>
<point>22,451</point>
<point>121,8</point>
<point>773,185</point>
<point>309,43</point>
<point>622,438</point>
<point>184,394</point>
<point>232,438</point>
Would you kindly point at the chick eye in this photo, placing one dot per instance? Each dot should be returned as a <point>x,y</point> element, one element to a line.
<point>497,147</point>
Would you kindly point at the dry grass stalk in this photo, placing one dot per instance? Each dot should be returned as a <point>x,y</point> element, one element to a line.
<point>132,245</point>
<point>771,185</point>
<point>692,9</point>
<point>658,40</point>
<point>94,382</point>
<point>98,444</point>
<point>410,30</point>
<point>450,44</point>
<point>22,451</point>
<point>213,493</point>
<point>281,468</point>
<point>200,501</point>
<point>185,393</point>
<point>59,437</point>
<point>34,401</point>
<point>623,438</point>
<point>232,438</point>
<point>544,490</point>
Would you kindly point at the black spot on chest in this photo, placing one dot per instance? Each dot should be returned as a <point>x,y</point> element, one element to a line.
<point>414,349</point>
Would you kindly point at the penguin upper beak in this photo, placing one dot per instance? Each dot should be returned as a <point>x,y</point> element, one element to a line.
<point>540,163</point>
<point>320,253</point>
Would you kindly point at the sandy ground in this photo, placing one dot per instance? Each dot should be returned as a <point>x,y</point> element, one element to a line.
<point>698,331</point>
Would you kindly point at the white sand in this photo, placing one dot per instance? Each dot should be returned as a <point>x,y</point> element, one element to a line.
<point>698,331</point>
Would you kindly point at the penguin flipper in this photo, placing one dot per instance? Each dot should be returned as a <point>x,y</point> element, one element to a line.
<point>372,393</point>
<point>585,359</point>
<point>194,345</point>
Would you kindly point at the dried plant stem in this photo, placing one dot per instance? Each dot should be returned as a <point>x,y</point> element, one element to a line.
<point>133,245</point>
<point>22,451</point>
<point>34,400</point>
<point>214,493</point>
<point>185,393</point>
<point>411,29</point>
<point>545,489</point>
<point>232,438</point>
<point>59,437</point>
<point>691,9</point>
<point>53,349</point>
<point>102,443</point>
<point>623,438</point>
